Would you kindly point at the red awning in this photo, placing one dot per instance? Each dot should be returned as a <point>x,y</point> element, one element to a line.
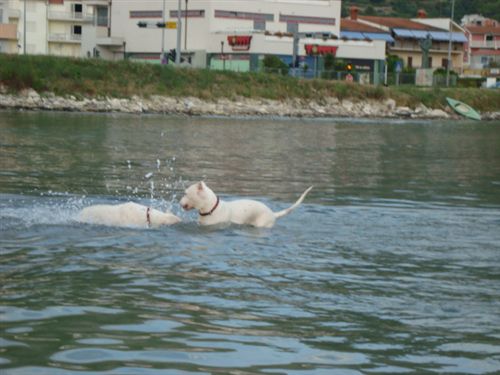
<point>239,42</point>
<point>315,49</point>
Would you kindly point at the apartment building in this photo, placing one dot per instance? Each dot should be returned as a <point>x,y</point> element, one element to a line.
<point>483,42</point>
<point>51,27</point>
<point>408,35</point>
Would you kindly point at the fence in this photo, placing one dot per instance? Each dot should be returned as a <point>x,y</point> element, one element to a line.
<point>392,79</point>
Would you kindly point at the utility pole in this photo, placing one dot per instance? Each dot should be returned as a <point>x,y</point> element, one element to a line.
<point>179,29</point>
<point>163,35</point>
<point>24,29</point>
<point>295,51</point>
<point>186,27</point>
<point>449,44</point>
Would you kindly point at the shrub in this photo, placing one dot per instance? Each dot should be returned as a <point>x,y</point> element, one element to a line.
<point>273,64</point>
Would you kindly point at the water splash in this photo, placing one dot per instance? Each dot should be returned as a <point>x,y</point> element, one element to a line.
<point>157,190</point>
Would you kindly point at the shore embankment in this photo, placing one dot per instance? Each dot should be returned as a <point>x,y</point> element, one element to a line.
<point>63,84</point>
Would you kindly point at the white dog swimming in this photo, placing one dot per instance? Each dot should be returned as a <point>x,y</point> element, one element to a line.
<point>126,215</point>
<point>212,210</point>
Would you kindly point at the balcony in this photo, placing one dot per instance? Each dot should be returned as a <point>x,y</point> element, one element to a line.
<point>110,42</point>
<point>435,48</point>
<point>70,17</point>
<point>488,44</point>
<point>65,38</point>
<point>13,13</point>
<point>8,31</point>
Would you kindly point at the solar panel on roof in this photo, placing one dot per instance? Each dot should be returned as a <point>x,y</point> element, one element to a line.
<point>351,35</point>
<point>419,34</point>
<point>445,36</point>
<point>379,36</point>
<point>403,33</point>
<point>440,35</point>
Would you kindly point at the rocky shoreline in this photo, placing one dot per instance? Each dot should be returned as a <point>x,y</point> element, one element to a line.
<point>327,107</point>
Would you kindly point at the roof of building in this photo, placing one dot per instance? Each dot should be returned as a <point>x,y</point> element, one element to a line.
<point>473,29</point>
<point>352,25</point>
<point>356,30</point>
<point>400,23</point>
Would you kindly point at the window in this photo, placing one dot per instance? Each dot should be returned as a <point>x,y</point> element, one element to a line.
<point>430,62</point>
<point>146,14</point>
<point>77,30</point>
<point>198,13</point>
<point>292,27</point>
<point>259,25</point>
<point>444,63</point>
<point>77,8</point>
<point>243,15</point>
<point>304,19</point>
<point>410,62</point>
<point>489,41</point>
<point>102,16</point>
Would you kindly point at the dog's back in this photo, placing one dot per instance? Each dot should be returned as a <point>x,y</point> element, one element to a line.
<point>126,215</point>
<point>246,211</point>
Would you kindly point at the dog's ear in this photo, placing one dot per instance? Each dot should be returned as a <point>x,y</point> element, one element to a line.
<point>201,186</point>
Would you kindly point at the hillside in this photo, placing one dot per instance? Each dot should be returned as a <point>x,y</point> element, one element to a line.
<point>434,8</point>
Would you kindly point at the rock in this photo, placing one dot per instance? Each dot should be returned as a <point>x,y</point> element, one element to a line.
<point>29,93</point>
<point>490,116</point>
<point>437,113</point>
<point>403,112</point>
<point>188,104</point>
<point>390,104</point>
<point>347,105</point>
<point>421,109</point>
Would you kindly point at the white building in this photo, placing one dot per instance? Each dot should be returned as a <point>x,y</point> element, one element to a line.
<point>52,27</point>
<point>232,35</point>
<point>218,34</point>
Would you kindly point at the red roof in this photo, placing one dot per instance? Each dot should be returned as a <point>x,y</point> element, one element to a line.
<point>495,30</point>
<point>347,24</point>
<point>398,23</point>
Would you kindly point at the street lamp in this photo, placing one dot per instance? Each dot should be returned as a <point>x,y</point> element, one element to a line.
<point>162,57</point>
<point>186,27</point>
<point>178,55</point>
<point>449,45</point>
<point>24,29</point>
<point>222,55</point>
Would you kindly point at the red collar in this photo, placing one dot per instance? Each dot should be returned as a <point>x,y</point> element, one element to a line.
<point>211,211</point>
<point>148,216</point>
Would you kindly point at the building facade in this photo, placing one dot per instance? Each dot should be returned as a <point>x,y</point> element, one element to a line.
<point>216,34</point>
<point>483,48</point>
<point>51,27</point>
<point>409,36</point>
<point>237,35</point>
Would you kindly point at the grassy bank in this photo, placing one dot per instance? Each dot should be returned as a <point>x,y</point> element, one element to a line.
<point>93,78</point>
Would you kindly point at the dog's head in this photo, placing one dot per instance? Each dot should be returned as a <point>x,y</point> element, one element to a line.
<point>195,196</point>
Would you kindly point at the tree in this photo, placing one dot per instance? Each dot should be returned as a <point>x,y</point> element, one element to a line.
<point>370,11</point>
<point>273,64</point>
<point>329,65</point>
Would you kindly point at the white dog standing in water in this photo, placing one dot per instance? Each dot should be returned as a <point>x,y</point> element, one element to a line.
<point>212,210</point>
<point>126,215</point>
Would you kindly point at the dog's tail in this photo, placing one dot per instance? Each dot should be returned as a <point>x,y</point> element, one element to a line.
<point>294,206</point>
